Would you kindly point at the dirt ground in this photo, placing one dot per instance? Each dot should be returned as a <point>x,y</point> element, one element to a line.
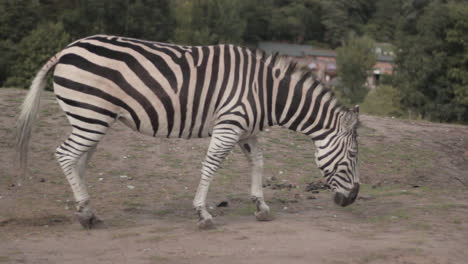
<point>412,208</point>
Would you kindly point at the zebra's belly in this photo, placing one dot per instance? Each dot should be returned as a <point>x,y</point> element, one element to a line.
<point>197,130</point>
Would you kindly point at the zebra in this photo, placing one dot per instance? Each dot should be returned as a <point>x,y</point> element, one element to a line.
<point>227,92</point>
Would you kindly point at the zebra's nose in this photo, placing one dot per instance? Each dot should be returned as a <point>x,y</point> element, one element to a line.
<point>342,200</point>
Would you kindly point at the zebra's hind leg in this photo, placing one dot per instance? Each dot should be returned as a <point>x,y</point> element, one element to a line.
<point>254,155</point>
<point>221,144</point>
<point>73,156</point>
<point>85,214</point>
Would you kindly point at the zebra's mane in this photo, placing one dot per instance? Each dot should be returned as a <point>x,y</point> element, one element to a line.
<point>275,60</point>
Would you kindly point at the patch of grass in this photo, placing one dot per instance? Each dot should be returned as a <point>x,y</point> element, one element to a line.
<point>244,210</point>
<point>133,205</point>
<point>125,235</point>
<point>396,159</point>
<point>109,156</point>
<point>421,226</point>
<point>162,229</point>
<point>158,259</point>
<point>150,239</point>
<point>373,257</point>
<point>5,259</point>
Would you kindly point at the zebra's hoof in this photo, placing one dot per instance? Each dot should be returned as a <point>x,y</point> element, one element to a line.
<point>263,215</point>
<point>263,211</point>
<point>88,219</point>
<point>206,224</point>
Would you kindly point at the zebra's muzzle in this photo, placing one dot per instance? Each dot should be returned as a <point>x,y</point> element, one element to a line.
<point>342,200</point>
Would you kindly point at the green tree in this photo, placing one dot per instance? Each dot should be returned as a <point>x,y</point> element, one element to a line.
<point>381,26</point>
<point>34,50</point>
<point>297,20</point>
<point>17,18</point>
<point>432,63</point>
<point>354,60</point>
<point>133,18</point>
<point>257,15</point>
<point>202,22</point>
<point>344,16</point>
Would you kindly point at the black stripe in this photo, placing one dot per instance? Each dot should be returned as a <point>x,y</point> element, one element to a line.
<point>98,93</point>
<point>333,159</point>
<point>87,106</point>
<point>87,119</point>
<point>144,76</point>
<point>231,122</point>
<point>201,71</point>
<point>282,96</point>
<point>304,110</point>
<point>261,92</point>
<point>183,95</point>
<point>244,86</point>
<point>251,90</point>
<point>227,71</point>
<point>236,72</point>
<point>269,92</point>
<point>296,100</point>
<point>78,143</point>
<point>211,87</point>
<point>313,117</point>
<point>85,138</point>
<point>158,62</point>
<point>87,130</point>
<point>115,77</point>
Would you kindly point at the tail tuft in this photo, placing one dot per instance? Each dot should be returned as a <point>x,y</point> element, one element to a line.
<point>28,113</point>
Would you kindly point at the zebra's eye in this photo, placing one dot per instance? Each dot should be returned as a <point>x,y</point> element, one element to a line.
<point>352,154</point>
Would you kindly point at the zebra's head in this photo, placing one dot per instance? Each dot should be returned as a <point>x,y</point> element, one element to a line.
<point>337,158</point>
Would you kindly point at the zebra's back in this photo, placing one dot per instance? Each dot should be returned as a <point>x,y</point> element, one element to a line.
<point>160,89</point>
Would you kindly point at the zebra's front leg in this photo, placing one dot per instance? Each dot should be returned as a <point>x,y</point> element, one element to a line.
<point>254,155</point>
<point>221,144</point>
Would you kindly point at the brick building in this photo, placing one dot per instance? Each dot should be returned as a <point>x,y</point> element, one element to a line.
<point>323,62</point>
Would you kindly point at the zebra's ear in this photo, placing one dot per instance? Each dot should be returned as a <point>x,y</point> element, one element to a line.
<point>356,109</point>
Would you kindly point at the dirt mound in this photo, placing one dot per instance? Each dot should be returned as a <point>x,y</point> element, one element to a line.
<point>412,207</point>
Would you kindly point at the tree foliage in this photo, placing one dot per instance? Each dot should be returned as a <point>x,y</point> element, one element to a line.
<point>355,59</point>
<point>432,73</point>
<point>33,51</point>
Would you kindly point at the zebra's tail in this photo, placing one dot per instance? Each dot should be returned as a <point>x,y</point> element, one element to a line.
<point>28,113</point>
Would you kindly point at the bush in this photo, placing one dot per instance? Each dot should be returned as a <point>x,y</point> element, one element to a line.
<point>383,101</point>
<point>33,51</point>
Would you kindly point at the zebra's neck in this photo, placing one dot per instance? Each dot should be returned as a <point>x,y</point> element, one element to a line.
<point>302,104</point>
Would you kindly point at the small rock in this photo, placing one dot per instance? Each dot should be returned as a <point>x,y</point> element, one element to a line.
<point>311,197</point>
<point>42,180</point>
<point>101,173</point>
<point>131,187</point>
<point>223,204</point>
<point>123,176</point>
<point>415,186</point>
<point>130,178</point>
<point>101,179</point>
<point>315,191</point>
<point>285,208</point>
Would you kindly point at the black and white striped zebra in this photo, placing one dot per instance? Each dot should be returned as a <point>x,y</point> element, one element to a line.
<point>225,92</point>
